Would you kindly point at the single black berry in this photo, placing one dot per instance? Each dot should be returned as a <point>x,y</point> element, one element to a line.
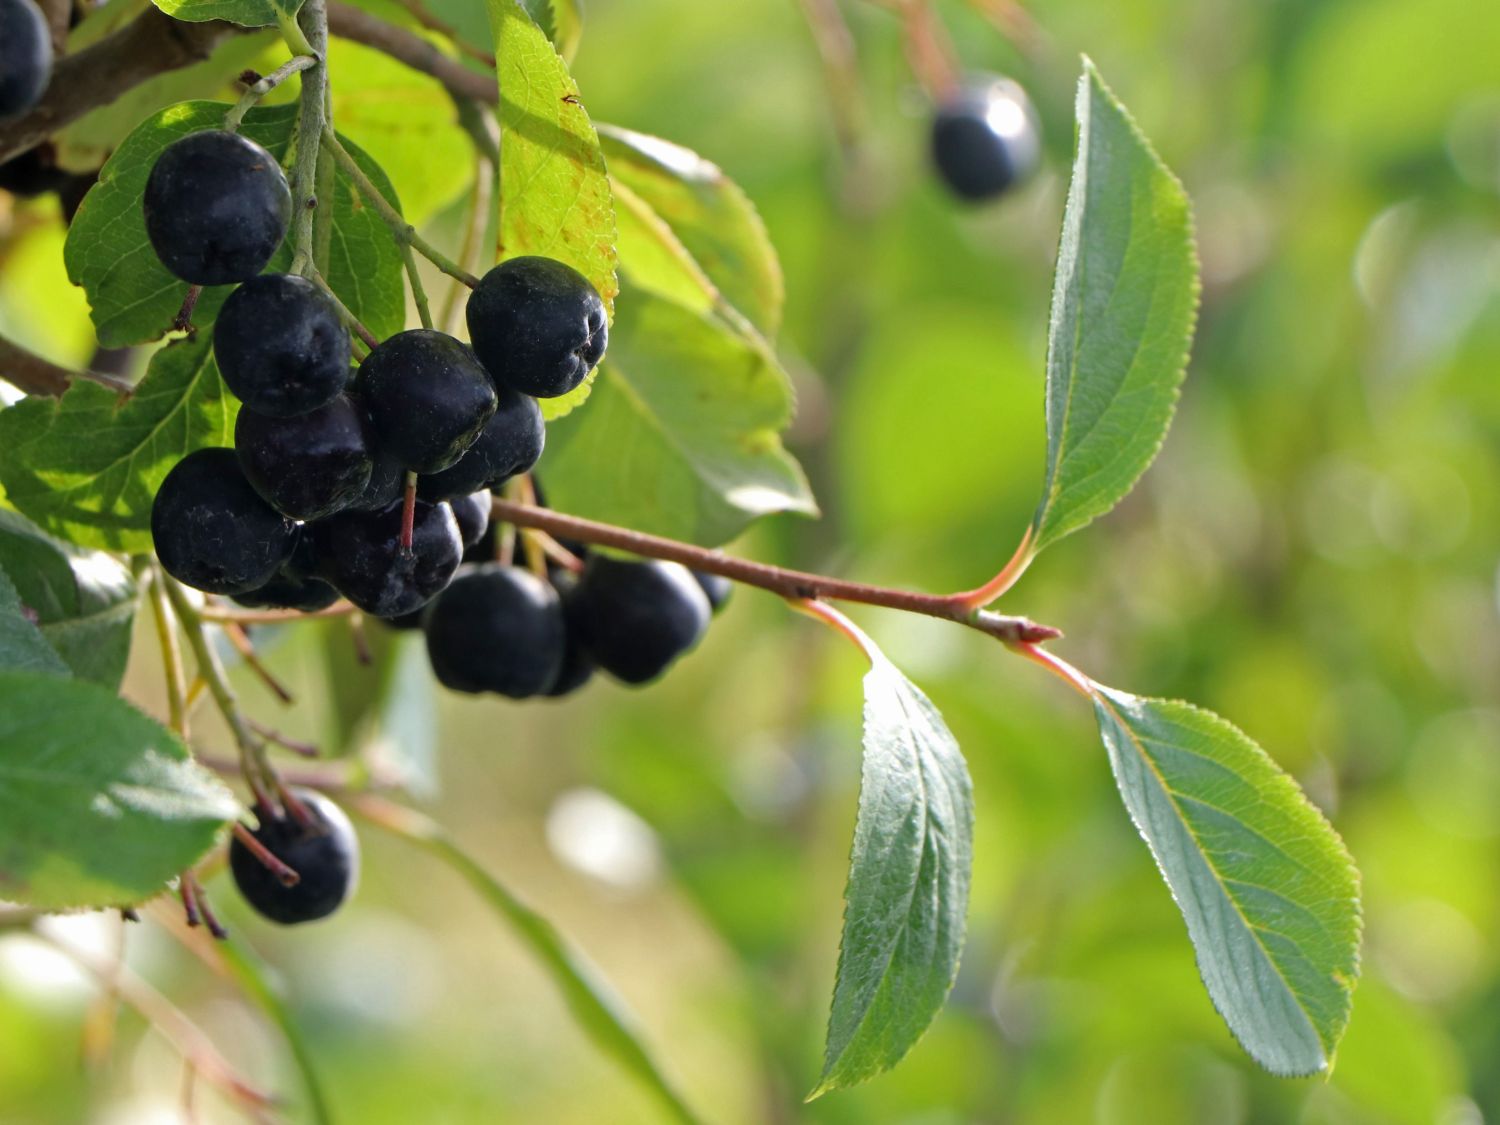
<point>510,443</point>
<point>387,477</point>
<point>217,207</point>
<point>428,397</point>
<point>537,325</point>
<point>496,628</point>
<point>287,591</point>
<point>715,587</point>
<point>309,466</point>
<point>635,618</point>
<point>473,515</point>
<point>984,139</point>
<point>281,346</point>
<point>323,852</point>
<point>213,531</point>
<point>25,57</point>
<point>363,557</point>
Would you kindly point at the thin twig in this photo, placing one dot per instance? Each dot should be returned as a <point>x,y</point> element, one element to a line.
<point>263,86</point>
<point>171,652</point>
<point>425,17</point>
<point>215,615</point>
<point>311,128</point>
<point>37,376</point>
<point>242,645</point>
<point>345,314</point>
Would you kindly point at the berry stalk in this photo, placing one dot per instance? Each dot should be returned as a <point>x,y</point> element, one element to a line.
<point>310,38</point>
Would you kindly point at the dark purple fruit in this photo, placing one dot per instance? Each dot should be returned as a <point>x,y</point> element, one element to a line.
<point>25,57</point>
<point>286,591</point>
<point>537,325</point>
<point>213,531</point>
<point>473,515</point>
<point>217,207</point>
<point>985,139</point>
<point>363,558</point>
<point>510,443</point>
<point>715,587</point>
<point>428,397</point>
<point>635,618</point>
<point>310,466</point>
<point>496,628</point>
<point>281,346</point>
<point>323,853</point>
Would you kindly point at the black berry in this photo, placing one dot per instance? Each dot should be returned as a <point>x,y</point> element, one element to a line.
<point>635,618</point>
<point>309,466</point>
<point>364,560</point>
<point>715,587</point>
<point>496,628</point>
<point>473,515</point>
<point>324,853</point>
<point>428,397</point>
<point>25,57</point>
<point>984,139</point>
<point>510,443</point>
<point>387,478</point>
<point>286,591</point>
<point>577,665</point>
<point>217,207</point>
<point>537,325</point>
<point>213,531</point>
<point>281,346</point>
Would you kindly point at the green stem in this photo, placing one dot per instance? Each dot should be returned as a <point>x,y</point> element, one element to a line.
<point>310,38</point>
<point>355,324</point>
<point>404,233</point>
<point>171,651</point>
<point>264,86</point>
<point>418,291</point>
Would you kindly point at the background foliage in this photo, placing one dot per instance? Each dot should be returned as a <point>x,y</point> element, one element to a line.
<point>1314,555</point>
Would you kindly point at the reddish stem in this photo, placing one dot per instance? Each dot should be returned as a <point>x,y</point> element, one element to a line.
<point>981,596</point>
<point>408,510</point>
<point>288,877</point>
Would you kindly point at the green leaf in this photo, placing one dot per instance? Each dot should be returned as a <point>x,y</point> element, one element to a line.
<point>246,13</point>
<point>133,299</point>
<point>1269,893</point>
<point>1123,305</point>
<point>22,646</point>
<point>711,218</point>
<point>84,601</point>
<point>554,198</point>
<point>99,805</point>
<point>594,1004</point>
<point>687,413</point>
<point>86,467</point>
<point>908,892</point>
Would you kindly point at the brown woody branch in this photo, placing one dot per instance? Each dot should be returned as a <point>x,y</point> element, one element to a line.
<point>37,376</point>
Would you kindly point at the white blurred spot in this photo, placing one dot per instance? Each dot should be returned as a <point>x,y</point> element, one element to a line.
<point>592,832</point>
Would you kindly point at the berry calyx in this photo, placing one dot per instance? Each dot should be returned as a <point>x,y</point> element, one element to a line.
<point>537,325</point>
<point>309,466</point>
<point>25,57</point>
<point>985,139</point>
<point>213,531</point>
<point>496,628</point>
<point>636,618</point>
<point>363,558</point>
<point>427,396</point>
<point>281,346</point>
<point>217,207</point>
<point>323,851</point>
<point>510,443</point>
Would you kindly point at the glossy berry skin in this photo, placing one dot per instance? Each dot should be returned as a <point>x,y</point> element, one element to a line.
<point>286,591</point>
<point>213,531</point>
<point>310,466</point>
<point>537,325</point>
<point>281,346</point>
<point>496,628</point>
<point>25,57</point>
<point>510,443</point>
<point>985,140</point>
<point>715,587</point>
<point>362,557</point>
<point>387,478</point>
<point>324,854</point>
<point>635,618</point>
<point>428,398</point>
<point>577,665</point>
<point>217,207</point>
<point>473,515</point>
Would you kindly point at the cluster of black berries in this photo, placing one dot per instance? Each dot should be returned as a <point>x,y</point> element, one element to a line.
<point>985,138</point>
<point>312,501</point>
<point>501,628</point>
<point>25,57</point>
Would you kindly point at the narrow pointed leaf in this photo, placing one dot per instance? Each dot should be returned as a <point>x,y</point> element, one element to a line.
<point>908,892</point>
<point>1269,893</point>
<point>554,194</point>
<point>1123,305</point>
<point>599,1011</point>
<point>99,805</point>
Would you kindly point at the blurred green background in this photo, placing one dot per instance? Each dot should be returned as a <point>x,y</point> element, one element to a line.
<point>1314,556</point>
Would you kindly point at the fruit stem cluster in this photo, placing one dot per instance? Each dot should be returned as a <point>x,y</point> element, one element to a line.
<point>794,585</point>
